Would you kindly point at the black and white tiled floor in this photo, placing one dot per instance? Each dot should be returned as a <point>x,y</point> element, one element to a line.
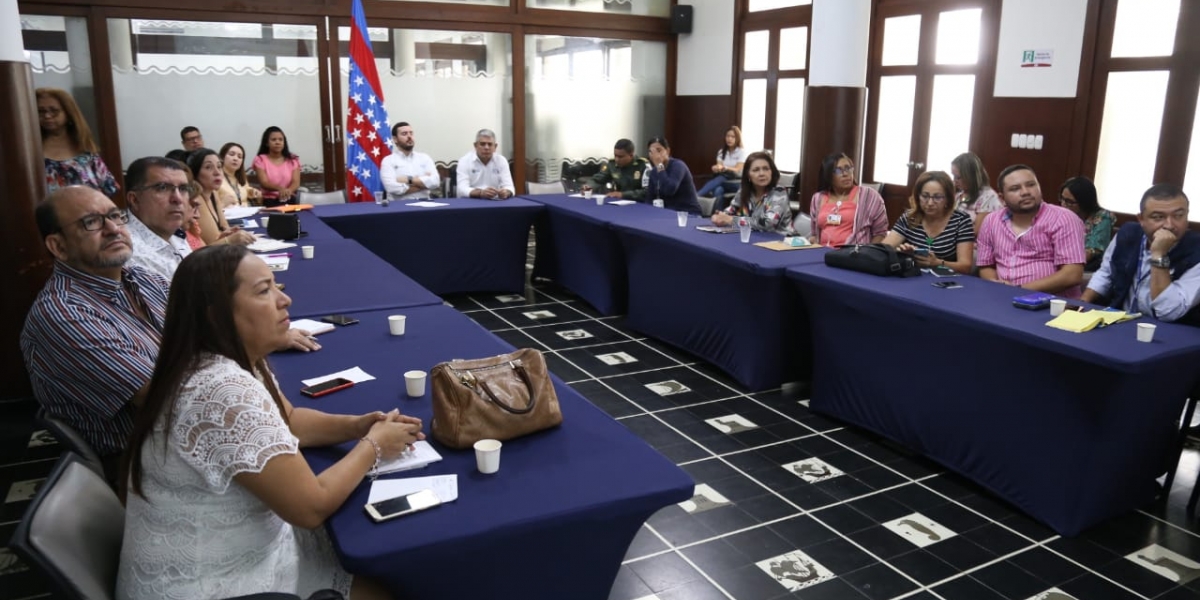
<point>788,503</point>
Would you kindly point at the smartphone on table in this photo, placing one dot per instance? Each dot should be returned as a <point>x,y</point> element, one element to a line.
<point>326,387</point>
<point>403,505</point>
<point>339,319</point>
<point>947,285</point>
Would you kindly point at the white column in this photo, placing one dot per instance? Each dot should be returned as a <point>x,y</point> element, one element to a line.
<point>79,53</point>
<point>120,44</point>
<point>840,42</point>
<point>405,49</point>
<point>12,49</point>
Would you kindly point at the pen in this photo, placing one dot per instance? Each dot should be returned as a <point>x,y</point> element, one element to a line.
<point>287,254</point>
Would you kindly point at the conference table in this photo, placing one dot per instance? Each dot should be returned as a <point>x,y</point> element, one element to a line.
<point>1073,428</point>
<point>343,276</point>
<point>468,245</point>
<point>553,523</point>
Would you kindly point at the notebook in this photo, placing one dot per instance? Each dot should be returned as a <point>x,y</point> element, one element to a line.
<point>1076,321</point>
<point>421,455</point>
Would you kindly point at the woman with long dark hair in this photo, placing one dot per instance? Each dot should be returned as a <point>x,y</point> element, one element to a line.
<point>1078,195</point>
<point>235,189</point>
<point>669,179</point>
<point>221,502</point>
<point>842,211</point>
<point>214,229</point>
<point>727,171</point>
<point>764,204</point>
<point>70,153</point>
<point>278,170</point>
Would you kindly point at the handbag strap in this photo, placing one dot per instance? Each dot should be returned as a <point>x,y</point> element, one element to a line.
<point>520,370</point>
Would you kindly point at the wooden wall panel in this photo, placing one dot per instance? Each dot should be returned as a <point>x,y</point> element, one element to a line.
<point>1048,117</point>
<point>695,129</point>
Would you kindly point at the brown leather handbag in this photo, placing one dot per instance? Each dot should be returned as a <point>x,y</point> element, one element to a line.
<point>501,398</point>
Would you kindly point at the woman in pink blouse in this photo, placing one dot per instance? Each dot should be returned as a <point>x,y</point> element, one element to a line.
<point>278,170</point>
<point>843,212</point>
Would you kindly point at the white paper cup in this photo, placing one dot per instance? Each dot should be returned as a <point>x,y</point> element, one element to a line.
<point>1057,307</point>
<point>414,383</point>
<point>681,217</point>
<point>658,203</point>
<point>396,324</point>
<point>587,193</point>
<point>1145,332</point>
<point>487,456</point>
<point>264,221</point>
<point>307,251</point>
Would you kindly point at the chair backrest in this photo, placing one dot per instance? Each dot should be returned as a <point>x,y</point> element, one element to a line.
<point>878,187</point>
<point>554,187</point>
<point>73,531</point>
<point>71,439</point>
<point>787,180</point>
<point>315,198</point>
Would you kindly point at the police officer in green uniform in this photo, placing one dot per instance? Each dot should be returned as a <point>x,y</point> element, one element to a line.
<point>624,171</point>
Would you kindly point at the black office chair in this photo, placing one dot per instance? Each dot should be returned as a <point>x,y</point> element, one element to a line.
<point>71,440</point>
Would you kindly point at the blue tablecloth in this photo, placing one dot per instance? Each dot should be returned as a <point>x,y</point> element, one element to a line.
<point>716,297</point>
<point>469,246</point>
<point>555,521</point>
<point>343,277</point>
<point>1073,428</point>
<point>577,249</point>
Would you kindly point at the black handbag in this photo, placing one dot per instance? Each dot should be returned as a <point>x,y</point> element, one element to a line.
<point>284,226</point>
<point>876,259</point>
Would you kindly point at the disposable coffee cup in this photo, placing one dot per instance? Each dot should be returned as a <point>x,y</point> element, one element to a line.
<point>307,251</point>
<point>487,456</point>
<point>1145,332</point>
<point>587,193</point>
<point>1057,307</point>
<point>681,217</point>
<point>414,383</point>
<point>658,203</point>
<point>600,200</point>
<point>396,324</point>
<point>264,221</point>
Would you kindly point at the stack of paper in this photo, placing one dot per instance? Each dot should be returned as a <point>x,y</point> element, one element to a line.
<point>622,202</point>
<point>240,212</point>
<point>311,326</point>
<point>269,245</point>
<point>277,262</point>
<point>445,486</point>
<point>422,454</point>
<point>1077,321</point>
<point>427,204</point>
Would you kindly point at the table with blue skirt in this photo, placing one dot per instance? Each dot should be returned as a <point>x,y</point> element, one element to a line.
<point>344,276</point>
<point>553,523</point>
<point>1073,428</point>
<point>717,298</point>
<point>469,245</point>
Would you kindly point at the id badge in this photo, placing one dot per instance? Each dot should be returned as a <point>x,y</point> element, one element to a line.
<point>833,219</point>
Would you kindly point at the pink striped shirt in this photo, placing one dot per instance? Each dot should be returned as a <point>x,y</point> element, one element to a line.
<point>1055,238</point>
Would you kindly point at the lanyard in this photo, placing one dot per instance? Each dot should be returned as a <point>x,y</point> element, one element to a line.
<point>1138,278</point>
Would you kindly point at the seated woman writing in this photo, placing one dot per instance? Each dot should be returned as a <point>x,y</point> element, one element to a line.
<point>764,205</point>
<point>932,230</point>
<point>221,502</point>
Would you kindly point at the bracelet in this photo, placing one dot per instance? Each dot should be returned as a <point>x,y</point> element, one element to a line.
<point>374,472</point>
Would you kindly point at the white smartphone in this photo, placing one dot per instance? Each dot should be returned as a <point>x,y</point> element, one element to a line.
<point>396,507</point>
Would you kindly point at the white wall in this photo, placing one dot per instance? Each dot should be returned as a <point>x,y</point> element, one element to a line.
<point>1040,25</point>
<point>840,33</point>
<point>705,64</point>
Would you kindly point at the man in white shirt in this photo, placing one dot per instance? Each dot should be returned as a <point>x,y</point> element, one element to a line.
<point>158,201</point>
<point>407,175</point>
<point>483,173</point>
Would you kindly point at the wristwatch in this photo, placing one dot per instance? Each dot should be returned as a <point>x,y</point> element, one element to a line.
<point>1163,262</point>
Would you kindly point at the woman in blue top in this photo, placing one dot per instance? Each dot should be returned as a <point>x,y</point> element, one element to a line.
<point>670,179</point>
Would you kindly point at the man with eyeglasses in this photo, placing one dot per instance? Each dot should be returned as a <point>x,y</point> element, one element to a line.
<point>92,336</point>
<point>1150,266</point>
<point>1031,244</point>
<point>482,173</point>
<point>158,202</point>
<point>191,138</point>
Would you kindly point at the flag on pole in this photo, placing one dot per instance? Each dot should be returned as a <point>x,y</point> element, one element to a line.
<point>368,132</point>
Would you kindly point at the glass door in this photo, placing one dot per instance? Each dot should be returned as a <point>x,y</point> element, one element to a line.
<point>927,87</point>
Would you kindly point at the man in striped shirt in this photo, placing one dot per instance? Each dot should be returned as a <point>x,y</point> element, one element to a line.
<point>92,336</point>
<point>1031,244</point>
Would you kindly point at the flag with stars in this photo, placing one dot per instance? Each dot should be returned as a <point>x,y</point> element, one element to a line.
<point>368,133</point>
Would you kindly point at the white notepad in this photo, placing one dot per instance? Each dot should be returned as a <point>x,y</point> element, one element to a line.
<point>269,245</point>
<point>421,455</point>
<point>311,326</point>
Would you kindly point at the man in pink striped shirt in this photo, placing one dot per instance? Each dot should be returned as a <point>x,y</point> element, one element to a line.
<point>1031,244</point>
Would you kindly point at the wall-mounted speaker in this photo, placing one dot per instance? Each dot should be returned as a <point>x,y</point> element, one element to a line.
<point>681,18</point>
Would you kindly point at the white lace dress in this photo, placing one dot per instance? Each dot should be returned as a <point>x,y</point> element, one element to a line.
<point>197,533</point>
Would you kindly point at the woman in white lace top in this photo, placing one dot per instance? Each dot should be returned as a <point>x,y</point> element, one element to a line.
<point>221,501</point>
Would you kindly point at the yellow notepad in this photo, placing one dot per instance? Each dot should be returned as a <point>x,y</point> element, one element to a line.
<point>1076,321</point>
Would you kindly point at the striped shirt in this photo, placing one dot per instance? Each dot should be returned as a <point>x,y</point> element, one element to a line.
<point>1054,239</point>
<point>88,351</point>
<point>959,230</point>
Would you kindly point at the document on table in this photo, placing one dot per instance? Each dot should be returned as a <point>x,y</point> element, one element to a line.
<point>357,375</point>
<point>249,224</point>
<point>311,326</point>
<point>269,245</point>
<point>421,455</point>
<point>427,204</point>
<point>622,202</point>
<point>276,262</point>
<point>445,486</point>
<point>240,212</point>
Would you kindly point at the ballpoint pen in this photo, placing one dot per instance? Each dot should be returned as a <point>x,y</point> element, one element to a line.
<point>287,254</point>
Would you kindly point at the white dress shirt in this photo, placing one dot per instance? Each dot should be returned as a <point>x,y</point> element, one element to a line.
<point>397,167</point>
<point>474,175</point>
<point>153,253</point>
<point>1171,305</point>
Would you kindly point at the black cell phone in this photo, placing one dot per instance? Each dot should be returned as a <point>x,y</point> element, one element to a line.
<point>236,222</point>
<point>946,285</point>
<point>339,319</point>
<point>395,507</point>
<point>921,251</point>
<point>326,387</point>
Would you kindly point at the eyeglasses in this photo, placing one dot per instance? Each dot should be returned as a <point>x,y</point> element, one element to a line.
<point>95,222</point>
<point>844,170</point>
<point>1065,201</point>
<point>49,112</point>
<point>192,138</point>
<point>165,189</point>
<point>932,197</point>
